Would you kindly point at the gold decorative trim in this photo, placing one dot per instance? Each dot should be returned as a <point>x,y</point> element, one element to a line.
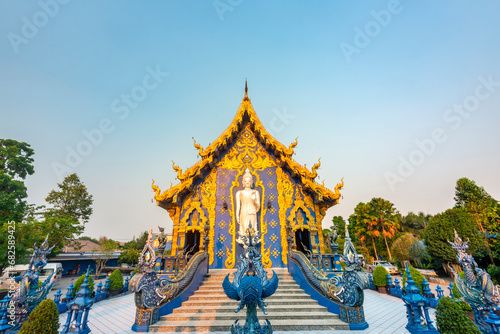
<point>266,260</point>
<point>209,201</point>
<point>231,254</point>
<point>197,223</point>
<point>285,192</point>
<point>319,223</point>
<point>299,204</point>
<point>174,214</point>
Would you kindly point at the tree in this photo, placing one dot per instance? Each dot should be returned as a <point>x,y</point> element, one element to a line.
<point>387,217</point>
<point>483,208</point>
<point>415,223</point>
<point>129,256</point>
<point>104,252</point>
<point>71,201</point>
<point>441,230</point>
<point>138,243</point>
<point>89,239</point>
<point>467,192</point>
<point>339,222</point>
<point>15,164</point>
<point>401,246</point>
<point>374,219</point>
<point>70,211</point>
<point>364,226</point>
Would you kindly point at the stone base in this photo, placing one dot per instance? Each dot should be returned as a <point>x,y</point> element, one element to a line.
<point>354,316</point>
<point>145,318</point>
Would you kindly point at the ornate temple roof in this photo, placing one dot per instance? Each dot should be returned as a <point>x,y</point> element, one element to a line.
<point>209,156</point>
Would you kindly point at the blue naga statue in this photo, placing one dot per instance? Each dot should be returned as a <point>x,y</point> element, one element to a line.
<point>477,290</point>
<point>251,286</point>
<point>27,295</point>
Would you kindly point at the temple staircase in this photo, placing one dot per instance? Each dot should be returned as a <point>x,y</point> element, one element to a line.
<point>208,309</point>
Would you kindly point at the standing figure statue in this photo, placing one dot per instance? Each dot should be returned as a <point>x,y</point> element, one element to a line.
<point>332,238</point>
<point>162,241</point>
<point>247,205</point>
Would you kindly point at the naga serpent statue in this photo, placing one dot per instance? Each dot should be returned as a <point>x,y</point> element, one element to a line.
<point>27,295</point>
<point>346,289</point>
<point>251,286</point>
<point>478,289</point>
<point>152,291</point>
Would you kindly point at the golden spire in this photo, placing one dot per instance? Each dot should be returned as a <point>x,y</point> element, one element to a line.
<point>246,91</point>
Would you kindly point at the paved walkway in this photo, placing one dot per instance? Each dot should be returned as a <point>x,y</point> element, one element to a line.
<point>385,314</point>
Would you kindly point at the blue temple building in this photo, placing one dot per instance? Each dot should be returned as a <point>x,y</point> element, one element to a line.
<point>205,199</point>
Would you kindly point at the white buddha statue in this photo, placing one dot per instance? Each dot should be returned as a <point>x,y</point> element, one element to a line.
<point>247,204</point>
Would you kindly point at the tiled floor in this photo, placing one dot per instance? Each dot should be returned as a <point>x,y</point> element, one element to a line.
<point>385,314</point>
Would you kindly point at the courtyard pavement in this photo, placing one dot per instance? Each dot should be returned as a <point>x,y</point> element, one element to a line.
<point>385,314</point>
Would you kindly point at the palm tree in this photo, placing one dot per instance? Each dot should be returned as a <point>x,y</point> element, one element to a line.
<point>365,226</point>
<point>386,217</point>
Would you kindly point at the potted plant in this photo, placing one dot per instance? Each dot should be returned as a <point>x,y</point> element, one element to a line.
<point>79,282</point>
<point>115,283</point>
<point>43,320</point>
<point>380,278</point>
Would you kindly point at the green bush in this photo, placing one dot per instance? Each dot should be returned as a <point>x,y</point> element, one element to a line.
<point>494,272</point>
<point>416,276</point>
<point>79,283</point>
<point>43,320</point>
<point>380,276</point>
<point>451,319</point>
<point>116,280</point>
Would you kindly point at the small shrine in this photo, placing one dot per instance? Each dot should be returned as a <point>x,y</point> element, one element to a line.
<point>246,179</point>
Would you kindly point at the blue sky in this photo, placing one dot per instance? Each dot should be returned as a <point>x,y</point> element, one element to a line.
<point>399,98</point>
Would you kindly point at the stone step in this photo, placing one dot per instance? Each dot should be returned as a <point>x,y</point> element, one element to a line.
<point>241,315</point>
<point>225,325</point>
<point>234,303</point>
<point>220,290</point>
<point>209,309</point>
<point>300,296</point>
<point>219,283</point>
<point>187,308</point>
<point>231,277</point>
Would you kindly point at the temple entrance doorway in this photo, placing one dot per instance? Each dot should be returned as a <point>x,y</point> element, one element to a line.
<point>192,242</point>
<point>303,241</point>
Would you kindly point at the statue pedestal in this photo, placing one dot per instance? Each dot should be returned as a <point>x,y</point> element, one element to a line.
<point>336,263</point>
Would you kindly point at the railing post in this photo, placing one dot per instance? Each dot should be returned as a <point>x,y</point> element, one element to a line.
<point>439,292</point>
<point>106,285</point>
<point>450,287</point>
<point>125,285</point>
<point>57,296</point>
<point>69,293</point>
<point>426,290</point>
<point>397,289</point>
<point>390,284</point>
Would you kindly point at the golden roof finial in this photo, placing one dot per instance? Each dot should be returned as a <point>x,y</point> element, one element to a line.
<point>246,91</point>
